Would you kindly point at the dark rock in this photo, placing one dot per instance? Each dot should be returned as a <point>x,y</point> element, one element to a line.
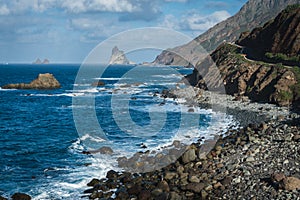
<point>96,195</point>
<point>277,177</point>
<point>43,82</point>
<point>20,196</point>
<point>111,174</point>
<point>93,182</point>
<point>98,84</point>
<point>175,196</point>
<point>164,186</point>
<point>227,180</point>
<point>89,191</point>
<point>2,198</point>
<point>135,190</point>
<point>191,110</point>
<point>144,195</point>
<point>195,187</point>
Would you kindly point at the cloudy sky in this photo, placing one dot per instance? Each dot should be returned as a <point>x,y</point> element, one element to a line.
<point>67,30</point>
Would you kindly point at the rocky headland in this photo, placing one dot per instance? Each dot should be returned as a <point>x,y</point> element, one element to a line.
<point>260,81</point>
<point>42,82</point>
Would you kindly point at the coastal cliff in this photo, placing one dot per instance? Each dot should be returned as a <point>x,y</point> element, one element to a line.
<point>260,81</point>
<point>253,14</point>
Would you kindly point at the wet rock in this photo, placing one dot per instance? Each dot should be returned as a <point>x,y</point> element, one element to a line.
<point>2,198</point>
<point>189,155</point>
<point>195,187</point>
<point>106,150</point>
<point>175,196</point>
<point>20,196</point>
<point>93,182</point>
<point>144,195</point>
<point>191,110</point>
<point>135,190</point>
<point>111,174</point>
<point>98,84</point>
<point>157,192</point>
<point>164,186</point>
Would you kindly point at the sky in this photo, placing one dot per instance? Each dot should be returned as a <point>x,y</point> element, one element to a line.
<point>65,31</point>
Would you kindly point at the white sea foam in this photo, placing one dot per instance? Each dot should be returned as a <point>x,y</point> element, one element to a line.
<point>91,138</point>
<point>1,89</point>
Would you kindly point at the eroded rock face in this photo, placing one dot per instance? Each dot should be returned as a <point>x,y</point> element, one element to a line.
<point>259,81</point>
<point>42,82</point>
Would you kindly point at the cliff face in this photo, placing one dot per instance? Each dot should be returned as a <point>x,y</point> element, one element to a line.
<point>259,81</point>
<point>118,57</point>
<point>253,14</point>
<point>282,35</point>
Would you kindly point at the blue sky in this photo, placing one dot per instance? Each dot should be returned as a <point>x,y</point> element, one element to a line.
<point>67,30</point>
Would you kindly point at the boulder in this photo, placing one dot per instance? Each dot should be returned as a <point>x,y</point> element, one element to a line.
<point>20,196</point>
<point>42,82</point>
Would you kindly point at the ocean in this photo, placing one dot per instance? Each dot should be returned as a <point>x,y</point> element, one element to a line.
<point>44,132</point>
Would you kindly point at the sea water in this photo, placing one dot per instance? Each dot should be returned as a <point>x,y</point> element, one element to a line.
<point>41,141</point>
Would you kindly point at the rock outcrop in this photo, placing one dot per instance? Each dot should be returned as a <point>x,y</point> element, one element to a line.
<point>253,14</point>
<point>42,82</point>
<point>259,81</point>
<point>118,57</point>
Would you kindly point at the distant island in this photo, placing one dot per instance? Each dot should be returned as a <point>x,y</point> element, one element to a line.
<point>38,61</point>
<point>118,58</point>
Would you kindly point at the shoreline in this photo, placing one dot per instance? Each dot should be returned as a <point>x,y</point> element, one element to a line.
<point>242,162</point>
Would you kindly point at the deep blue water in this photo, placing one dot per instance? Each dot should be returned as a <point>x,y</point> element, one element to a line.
<point>41,146</point>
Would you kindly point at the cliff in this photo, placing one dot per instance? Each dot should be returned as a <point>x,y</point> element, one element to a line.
<point>278,38</point>
<point>118,57</point>
<point>253,14</point>
<point>262,82</point>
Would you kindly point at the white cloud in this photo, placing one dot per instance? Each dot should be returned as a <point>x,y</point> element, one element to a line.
<point>194,21</point>
<point>4,10</point>
<point>98,5</point>
<point>199,22</point>
<point>170,21</point>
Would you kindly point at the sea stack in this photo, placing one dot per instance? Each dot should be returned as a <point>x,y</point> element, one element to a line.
<point>118,57</point>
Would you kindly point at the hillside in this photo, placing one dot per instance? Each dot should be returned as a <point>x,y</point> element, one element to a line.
<point>278,40</point>
<point>260,81</point>
<point>253,14</point>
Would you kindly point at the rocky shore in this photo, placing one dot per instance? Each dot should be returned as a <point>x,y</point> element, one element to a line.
<point>257,161</point>
<point>254,162</point>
